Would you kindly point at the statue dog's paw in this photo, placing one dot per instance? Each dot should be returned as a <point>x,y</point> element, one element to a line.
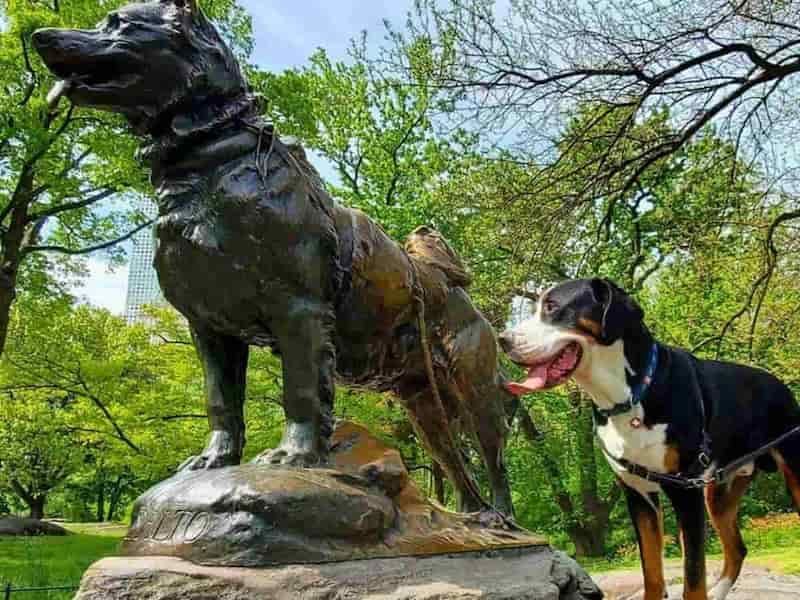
<point>300,447</point>
<point>220,452</point>
<point>492,518</point>
<point>288,457</point>
<point>207,460</point>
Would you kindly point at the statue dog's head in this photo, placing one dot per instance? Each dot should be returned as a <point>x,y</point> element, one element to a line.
<point>148,61</point>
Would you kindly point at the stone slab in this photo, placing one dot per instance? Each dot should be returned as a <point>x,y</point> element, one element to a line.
<point>530,574</point>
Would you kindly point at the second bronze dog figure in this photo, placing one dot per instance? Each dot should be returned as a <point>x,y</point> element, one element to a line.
<point>252,250</point>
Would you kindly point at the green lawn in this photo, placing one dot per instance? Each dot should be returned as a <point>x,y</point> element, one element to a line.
<point>772,542</point>
<point>54,561</point>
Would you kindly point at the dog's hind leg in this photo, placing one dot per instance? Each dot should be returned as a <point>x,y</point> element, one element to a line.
<point>723,507</point>
<point>648,523</point>
<point>224,362</point>
<point>787,455</point>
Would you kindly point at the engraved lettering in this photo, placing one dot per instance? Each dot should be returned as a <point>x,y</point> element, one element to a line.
<point>196,526</point>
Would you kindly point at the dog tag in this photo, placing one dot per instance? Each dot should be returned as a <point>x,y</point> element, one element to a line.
<point>636,422</point>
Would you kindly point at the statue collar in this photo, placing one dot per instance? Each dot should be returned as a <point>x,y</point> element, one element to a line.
<point>195,130</point>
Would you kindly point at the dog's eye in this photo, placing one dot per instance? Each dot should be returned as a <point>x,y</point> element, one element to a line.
<point>549,306</point>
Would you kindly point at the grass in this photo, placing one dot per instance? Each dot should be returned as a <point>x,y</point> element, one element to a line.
<point>772,543</point>
<point>55,561</point>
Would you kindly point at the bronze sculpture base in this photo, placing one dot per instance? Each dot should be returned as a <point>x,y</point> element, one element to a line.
<point>363,506</point>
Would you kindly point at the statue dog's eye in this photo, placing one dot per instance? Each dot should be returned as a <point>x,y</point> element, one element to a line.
<point>549,306</point>
<point>112,22</point>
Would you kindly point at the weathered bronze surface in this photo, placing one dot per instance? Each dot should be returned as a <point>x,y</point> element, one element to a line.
<point>253,251</point>
<point>363,506</point>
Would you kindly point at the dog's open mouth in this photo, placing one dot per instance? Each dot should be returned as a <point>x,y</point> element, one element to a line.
<point>550,372</point>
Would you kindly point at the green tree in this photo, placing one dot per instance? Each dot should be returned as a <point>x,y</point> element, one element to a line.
<point>37,452</point>
<point>375,131</point>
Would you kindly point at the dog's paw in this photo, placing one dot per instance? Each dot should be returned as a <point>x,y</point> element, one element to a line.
<point>720,591</point>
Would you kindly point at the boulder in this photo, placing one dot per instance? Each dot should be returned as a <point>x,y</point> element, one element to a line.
<point>26,526</point>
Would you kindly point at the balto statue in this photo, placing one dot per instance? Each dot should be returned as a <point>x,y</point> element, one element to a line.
<point>253,251</point>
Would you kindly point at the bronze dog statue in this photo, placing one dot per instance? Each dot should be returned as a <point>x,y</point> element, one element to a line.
<point>252,250</point>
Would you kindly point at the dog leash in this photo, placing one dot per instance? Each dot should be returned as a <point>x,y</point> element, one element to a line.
<point>719,476</point>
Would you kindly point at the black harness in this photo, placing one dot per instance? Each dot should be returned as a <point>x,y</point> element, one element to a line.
<point>696,477</point>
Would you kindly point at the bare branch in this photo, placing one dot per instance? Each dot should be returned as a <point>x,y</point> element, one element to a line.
<point>90,249</point>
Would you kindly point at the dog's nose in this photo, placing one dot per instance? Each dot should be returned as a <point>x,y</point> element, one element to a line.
<point>506,340</point>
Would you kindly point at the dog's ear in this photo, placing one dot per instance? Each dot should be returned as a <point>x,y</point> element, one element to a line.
<point>618,311</point>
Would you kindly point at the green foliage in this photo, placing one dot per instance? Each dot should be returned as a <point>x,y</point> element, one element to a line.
<point>374,129</point>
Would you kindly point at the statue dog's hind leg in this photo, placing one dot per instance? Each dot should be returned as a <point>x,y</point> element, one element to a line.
<point>433,426</point>
<point>471,348</point>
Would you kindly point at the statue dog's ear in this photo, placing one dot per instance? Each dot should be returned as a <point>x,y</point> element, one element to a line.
<point>618,311</point>
<point>190,5</point>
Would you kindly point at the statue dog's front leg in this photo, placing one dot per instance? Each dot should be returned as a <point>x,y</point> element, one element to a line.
<point>308,389</point>
<point>225,366</point>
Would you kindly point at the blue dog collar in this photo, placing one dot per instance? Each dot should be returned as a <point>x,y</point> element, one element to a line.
<point>637,392</point>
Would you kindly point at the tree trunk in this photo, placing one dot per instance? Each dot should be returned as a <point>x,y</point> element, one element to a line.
<point>589,513</point>
<point>11,243</point>
<point>101,502</point>
<point>438,482</point>
<point>588,543</point>
<point>114,497</point>
<point>36,506</point>
<point>7,295</point>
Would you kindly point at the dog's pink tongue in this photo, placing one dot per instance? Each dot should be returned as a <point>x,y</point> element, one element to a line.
<point>536,380</point>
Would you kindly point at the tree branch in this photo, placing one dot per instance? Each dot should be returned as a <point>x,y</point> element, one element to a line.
<point>90,249</point>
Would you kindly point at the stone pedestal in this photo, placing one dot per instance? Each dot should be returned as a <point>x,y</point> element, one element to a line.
<point>359,528</point>
<point>531,574</point>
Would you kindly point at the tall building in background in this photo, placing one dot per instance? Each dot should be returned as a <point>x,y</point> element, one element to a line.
<point>143,288</point>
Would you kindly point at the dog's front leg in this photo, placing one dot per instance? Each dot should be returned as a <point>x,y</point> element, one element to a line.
<point>649,525</point>
<point>224,362</point>
<point>308,364</point>
<point>690,511</point>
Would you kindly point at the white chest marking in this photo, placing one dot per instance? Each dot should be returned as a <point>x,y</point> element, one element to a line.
<point>643,446</point>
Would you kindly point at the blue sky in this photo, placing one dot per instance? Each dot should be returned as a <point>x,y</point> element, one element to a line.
<point>286,34</point>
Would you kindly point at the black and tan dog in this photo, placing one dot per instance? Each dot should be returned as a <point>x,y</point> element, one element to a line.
<point>660,410</point>
<point>252,250</point>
